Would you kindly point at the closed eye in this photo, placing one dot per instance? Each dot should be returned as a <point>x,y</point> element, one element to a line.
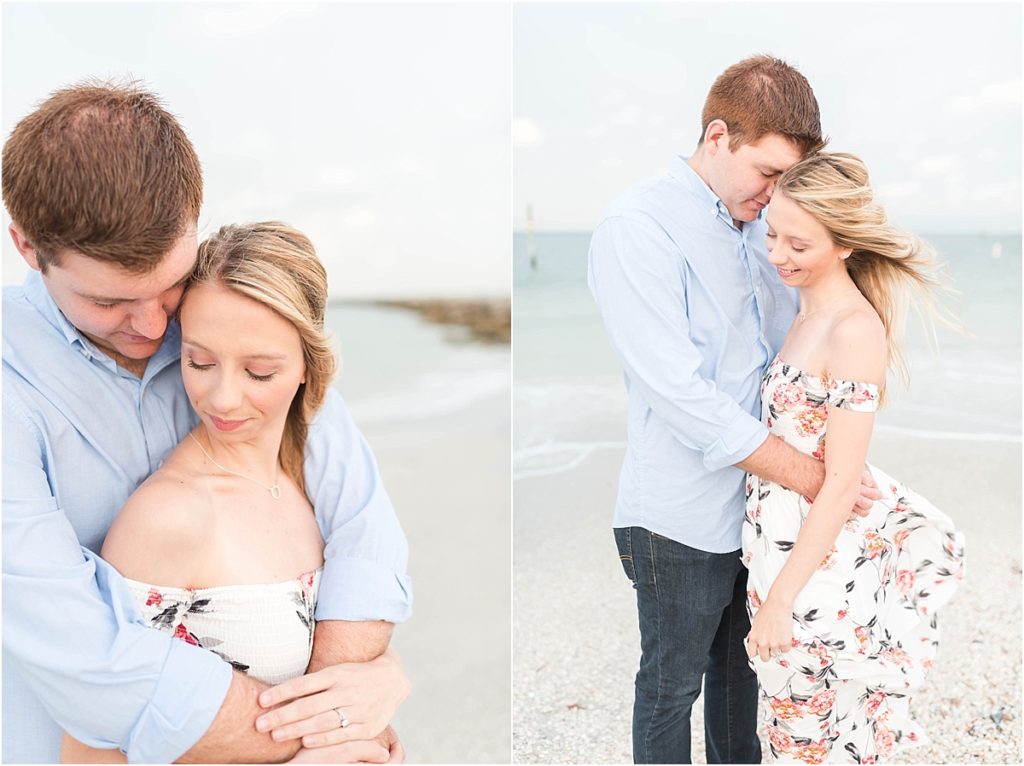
<point>200,367</point>
<point>261,378</point>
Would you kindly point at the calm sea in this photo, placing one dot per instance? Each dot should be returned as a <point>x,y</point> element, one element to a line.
<point>397,368</point>
<point>567,384</point>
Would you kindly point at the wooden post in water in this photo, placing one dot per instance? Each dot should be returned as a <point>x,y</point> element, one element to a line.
<point>531,243</point>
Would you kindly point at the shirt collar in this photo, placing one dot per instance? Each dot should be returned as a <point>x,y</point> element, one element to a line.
<point>40,298</point>
<point>679,169</point>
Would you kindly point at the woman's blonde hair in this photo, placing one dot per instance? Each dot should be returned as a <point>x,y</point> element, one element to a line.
<point>277,266</point>
<point>890,267</point>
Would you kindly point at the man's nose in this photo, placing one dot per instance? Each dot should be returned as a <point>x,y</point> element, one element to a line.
<point>150,320</point>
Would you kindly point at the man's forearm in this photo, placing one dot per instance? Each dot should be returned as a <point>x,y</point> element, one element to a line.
<point>232,737</point>
<point>776,461</point>
<point>337,641</point>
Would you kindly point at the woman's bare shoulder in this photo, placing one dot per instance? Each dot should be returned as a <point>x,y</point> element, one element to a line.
<point>857,346</point>
<point>160,532</point>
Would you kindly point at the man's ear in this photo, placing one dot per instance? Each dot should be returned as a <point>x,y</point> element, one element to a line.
<point>716,137</point>
<point>28,252</point>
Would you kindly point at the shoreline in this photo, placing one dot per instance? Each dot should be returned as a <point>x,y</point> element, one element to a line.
<point>483,320</point>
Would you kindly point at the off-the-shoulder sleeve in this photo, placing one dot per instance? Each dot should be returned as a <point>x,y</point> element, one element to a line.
<point>851,395</point>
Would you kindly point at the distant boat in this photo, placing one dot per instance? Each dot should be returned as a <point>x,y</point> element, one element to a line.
<point>997,249</point>
<point>531,243</point>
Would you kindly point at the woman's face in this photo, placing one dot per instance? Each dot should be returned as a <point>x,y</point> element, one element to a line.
<point>799,247</point>
<point>241,363</point>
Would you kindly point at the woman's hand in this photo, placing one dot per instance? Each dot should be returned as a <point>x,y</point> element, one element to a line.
<point>365,694</point>
<point>771,632</point>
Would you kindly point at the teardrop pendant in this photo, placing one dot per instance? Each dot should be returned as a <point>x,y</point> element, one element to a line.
<point>275,492</point>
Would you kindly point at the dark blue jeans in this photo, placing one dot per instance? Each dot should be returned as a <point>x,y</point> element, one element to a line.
<point>693,619</point>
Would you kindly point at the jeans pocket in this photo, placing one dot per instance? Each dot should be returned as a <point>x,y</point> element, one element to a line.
<point>624,542</point>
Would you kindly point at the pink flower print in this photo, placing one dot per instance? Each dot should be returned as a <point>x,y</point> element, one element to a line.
<point>822,702</point>
<point>182,633</point>
<point>786,396</point>
<point>861,634</point>
<point>885,740</point>
<point>306,581</point>
<point>754,599</point>
<point>830,559</point>
<point>816,752</point>
<point>874,702</point>
<point>927,663</point>
<point>154,597</point>
<point>899,537</point>
<point>896,656</point>
<point>785,709</point>
<point>818,650</point>
<point>781,741</point>
<point>904,581</point>
<point>819,451</point>
<point>810,421</point>
<point>841,614</point>
<point>861,394</point>
<point>873,545</point>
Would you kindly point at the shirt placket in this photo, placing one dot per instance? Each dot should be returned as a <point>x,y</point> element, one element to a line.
<point>758,286</point>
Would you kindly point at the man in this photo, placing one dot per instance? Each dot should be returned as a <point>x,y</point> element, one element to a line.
<point>104,188</point>
<point>695,312</point>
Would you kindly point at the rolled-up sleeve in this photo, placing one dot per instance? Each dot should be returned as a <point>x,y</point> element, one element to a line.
<point>72,628</point>
<point>365,552</point>
<point>637,278</point>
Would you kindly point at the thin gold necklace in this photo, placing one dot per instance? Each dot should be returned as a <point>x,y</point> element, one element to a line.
<point>274,489</point>
<point>803,315</point>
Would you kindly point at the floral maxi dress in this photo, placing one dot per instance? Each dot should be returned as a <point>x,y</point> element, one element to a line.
<point>864,626</point>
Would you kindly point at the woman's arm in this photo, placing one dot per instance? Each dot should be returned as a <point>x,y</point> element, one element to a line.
<point>857,346</point>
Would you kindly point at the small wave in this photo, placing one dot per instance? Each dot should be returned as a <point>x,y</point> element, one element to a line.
<point>573,454</point>
<point>432,395</point>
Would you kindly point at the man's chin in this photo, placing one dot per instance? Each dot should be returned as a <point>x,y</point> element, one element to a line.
<point>138,351</point>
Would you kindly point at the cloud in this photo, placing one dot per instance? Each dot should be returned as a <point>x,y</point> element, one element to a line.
<point>526,132</point>
<point>899,191</point>
<point>994,95</point>
<point>358,218</point>
<point>938,166</point>
<point>627,115</point>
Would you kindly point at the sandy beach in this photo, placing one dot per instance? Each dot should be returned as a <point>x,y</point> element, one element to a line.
<point>438,423</point>
<point>577,643</point>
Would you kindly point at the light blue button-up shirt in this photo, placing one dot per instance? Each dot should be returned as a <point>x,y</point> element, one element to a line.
<point>79,435</point>
<point>694,312</point>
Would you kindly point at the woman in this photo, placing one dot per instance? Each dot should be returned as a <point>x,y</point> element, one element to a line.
<point>220,545</point>
<point>842,608</point>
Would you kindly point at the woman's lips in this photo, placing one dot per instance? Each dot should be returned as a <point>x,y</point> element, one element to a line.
<point>225,425</point>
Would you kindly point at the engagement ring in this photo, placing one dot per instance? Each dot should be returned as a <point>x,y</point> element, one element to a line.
<point>342,718</point>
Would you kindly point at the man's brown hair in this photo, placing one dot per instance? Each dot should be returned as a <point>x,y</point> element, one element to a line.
<point>105,170</point>
<point>763,95</point>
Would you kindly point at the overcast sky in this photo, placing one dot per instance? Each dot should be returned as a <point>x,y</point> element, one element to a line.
<point>381,130</point>
<point>927,93</point>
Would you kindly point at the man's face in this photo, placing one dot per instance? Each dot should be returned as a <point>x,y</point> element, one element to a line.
<point>121,312</point>
<point>745,179</point>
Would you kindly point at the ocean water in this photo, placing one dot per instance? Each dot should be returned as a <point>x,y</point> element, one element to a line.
<point>397,368</point>
<point>569,399</point>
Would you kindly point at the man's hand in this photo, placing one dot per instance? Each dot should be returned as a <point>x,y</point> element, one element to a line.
<point>360,751</point>
<point>869,493</point>
<point>368,693</point>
